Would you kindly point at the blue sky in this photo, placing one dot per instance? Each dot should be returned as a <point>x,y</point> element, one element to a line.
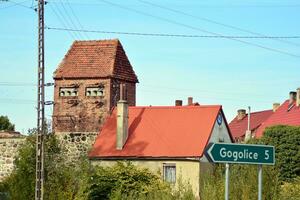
<point>212,70</point>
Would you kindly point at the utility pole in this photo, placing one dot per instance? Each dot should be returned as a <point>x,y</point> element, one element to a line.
<point>41,126</point>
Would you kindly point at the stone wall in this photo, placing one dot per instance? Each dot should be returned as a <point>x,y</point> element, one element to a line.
<point>8,151</point>
<point>76,144</point>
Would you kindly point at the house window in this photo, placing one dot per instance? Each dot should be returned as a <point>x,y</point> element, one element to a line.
<point>169,172</point>
<point>68,92</point>
<point>94,92</point>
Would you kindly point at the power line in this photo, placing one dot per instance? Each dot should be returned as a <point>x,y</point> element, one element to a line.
<point>215,22</point>
<point>70,18</point>
<point>17,4</point>
<point>17,101</point>
<point>76,18</point>
<point>198,29</point>
<point>17,84</point>
<point>61,21</point>
<point>171,35</point>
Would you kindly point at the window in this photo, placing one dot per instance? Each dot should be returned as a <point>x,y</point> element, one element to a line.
<point>94,92</point>
<point>68,92</point>
<point>169,172</point>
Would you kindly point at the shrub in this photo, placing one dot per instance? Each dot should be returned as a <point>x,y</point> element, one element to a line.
<point>291,190</point>
<point>123,179</point>
<point>62,181</point>
<point>286,140</point>
<point>242,183</point>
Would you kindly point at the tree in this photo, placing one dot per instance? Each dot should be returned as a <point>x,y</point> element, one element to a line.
<point>286,140</point>
<point>5,124</point>
<point>62,179</point>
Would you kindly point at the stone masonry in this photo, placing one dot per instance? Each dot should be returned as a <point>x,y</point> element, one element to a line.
<point>75,144</point>
<point>9,146</point>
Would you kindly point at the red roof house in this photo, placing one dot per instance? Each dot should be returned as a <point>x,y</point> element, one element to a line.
<point>239,125</point>
<point>170,140</point>
<point>157,132</point>
<point>287,114</point>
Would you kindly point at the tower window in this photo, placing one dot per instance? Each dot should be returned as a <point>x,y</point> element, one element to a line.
<point>68,92</point>
<point>94,92</point>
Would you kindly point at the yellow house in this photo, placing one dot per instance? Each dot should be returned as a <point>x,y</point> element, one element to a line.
<point>169,140</point>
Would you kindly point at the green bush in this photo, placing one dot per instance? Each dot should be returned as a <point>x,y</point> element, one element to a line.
<point>242,183</point>
<point>124,181</point>
<point>62,180</point>
<point>291,190</point>
<point>286,140</point>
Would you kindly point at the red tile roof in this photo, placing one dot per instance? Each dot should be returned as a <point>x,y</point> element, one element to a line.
<point>238,127</point>
<point>181,131</point>
<point>96,59</point>
<point>282,116</point>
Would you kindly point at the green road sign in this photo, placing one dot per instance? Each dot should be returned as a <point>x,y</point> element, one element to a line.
<point>241,153</point>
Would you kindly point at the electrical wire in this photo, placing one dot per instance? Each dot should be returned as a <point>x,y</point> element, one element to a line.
<point>61,21</point>
<point>18,4</point>
<point>216,22</point>
<point>198,29</point>
<point>172,35</point>
<point>76,18</point>
<point>69,19</point>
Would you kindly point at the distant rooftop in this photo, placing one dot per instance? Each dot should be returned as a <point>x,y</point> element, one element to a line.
<point>10,134</point>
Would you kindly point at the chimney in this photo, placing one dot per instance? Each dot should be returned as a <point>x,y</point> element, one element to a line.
<point>292,96</point>
<point>178,103</point>
<point>122,118</point>
<point>298,97</point>
<point>241,114</point>
<point>248,131</point>
<point>190,101</point>
<point>275,106</point>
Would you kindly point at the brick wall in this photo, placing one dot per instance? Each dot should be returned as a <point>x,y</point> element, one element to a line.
<point>80,113</point>
<point>86,114</point>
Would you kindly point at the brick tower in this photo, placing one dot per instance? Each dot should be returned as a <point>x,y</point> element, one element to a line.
<point>87,85</point>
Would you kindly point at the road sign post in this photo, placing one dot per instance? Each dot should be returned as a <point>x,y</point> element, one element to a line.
<point>241,154</point>
<point>227,182</point>
<point>259,182</point>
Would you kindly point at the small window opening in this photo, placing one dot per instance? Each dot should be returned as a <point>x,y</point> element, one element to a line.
<point>169,173</point>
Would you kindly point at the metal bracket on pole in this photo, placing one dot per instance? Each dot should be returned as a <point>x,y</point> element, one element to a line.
<point>259,182</point>
<point>227,181</point>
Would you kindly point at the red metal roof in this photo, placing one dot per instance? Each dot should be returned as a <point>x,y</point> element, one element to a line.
<point>181,131</point>
<point>282,116</point>
<point>238,127</point>
<point>96,59</point>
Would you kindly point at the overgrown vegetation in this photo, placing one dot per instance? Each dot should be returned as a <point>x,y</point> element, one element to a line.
<point>62,179</point>
<point>286,140</point>
<point>125,181</point>
<point>280,182</point>
<point>243,183</point>
<point>5,124</point>
<point>79,180</point>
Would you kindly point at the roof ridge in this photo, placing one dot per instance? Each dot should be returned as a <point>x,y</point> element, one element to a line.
<point>177,107</point>
<point>90,41</point>
<point>115,58</point>
<point>63,60</point>
<point>260,111</point>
